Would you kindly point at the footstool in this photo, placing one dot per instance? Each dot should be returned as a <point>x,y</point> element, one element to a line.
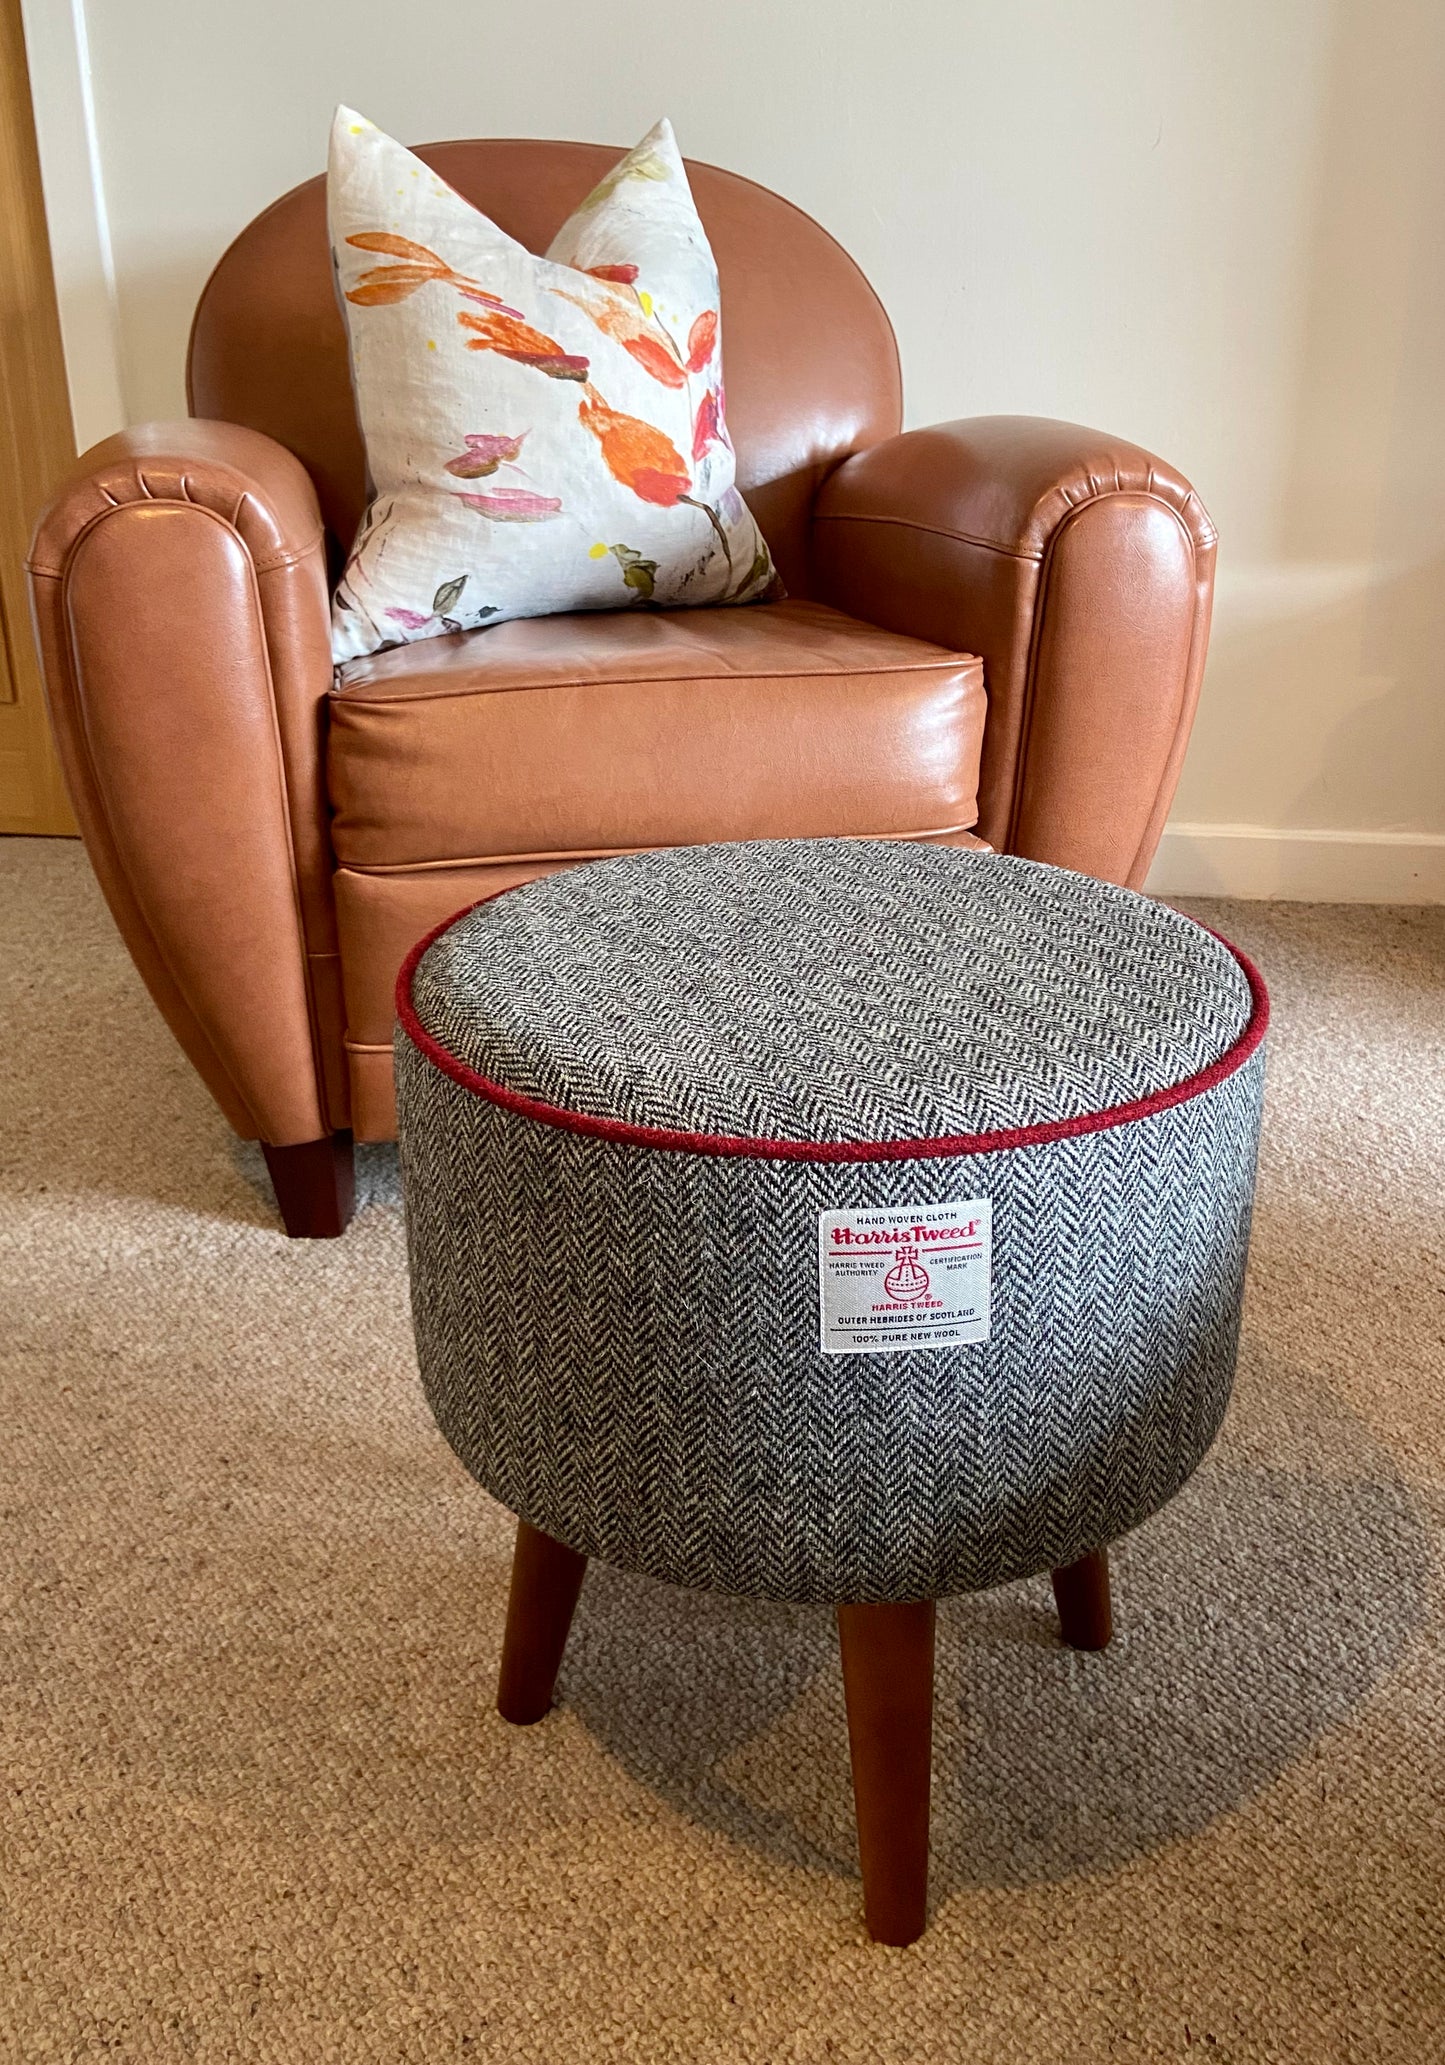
<point>848,1221</point>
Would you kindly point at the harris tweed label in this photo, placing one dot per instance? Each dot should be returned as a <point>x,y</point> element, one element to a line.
<point>908,1276</point>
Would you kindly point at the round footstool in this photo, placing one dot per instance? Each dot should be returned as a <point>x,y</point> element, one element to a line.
<point>848,1221</point>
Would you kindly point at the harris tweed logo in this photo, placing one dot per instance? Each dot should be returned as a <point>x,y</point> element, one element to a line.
<point>904,1276</point>
<point>907,1281</point>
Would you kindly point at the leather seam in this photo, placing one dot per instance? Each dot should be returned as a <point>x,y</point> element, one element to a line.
<point>1040,619</point>
<point>383,870</point>
<point>1104,490</point>
<point>102,809</point>
<point>1209,536</point>
<point>298,902</point>
<point>936,530</point>
<point>270,563</point>
<point>339,697</point>
<point>264,651</point>
<point>298,907</point>
<point>278,560</point>
<point>1184,720</point>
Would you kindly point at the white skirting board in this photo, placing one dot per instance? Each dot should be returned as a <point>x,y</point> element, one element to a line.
<point>1299,867</point>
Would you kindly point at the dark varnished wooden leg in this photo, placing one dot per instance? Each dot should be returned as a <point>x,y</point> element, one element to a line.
<point>888,1686</point>
<point>315,1185</point>
<point>1081,1592</point>
<point>546,1579</point>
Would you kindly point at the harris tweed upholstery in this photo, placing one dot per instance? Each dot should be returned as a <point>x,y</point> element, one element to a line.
<point>628,1092</point>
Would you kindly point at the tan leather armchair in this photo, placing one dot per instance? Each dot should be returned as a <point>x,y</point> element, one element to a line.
<point>995,629</point>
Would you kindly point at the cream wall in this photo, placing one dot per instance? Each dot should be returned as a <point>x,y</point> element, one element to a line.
<point>1218,229</point>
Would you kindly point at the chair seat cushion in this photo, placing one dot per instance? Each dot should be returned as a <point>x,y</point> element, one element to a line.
<point>585,735</point>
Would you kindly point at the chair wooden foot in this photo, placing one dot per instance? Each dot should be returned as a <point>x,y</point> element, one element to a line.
<point>888,1686</point>
<point>1081,1592</point>
<point>546,1579</point>
<point>315,1185</point>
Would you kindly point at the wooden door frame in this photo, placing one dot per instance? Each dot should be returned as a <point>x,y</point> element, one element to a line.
<point>37,442</point>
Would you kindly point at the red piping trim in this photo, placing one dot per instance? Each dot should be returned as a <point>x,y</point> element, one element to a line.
<point>946,1146</point>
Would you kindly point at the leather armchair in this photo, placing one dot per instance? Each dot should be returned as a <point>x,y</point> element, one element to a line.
<point>995,630</point>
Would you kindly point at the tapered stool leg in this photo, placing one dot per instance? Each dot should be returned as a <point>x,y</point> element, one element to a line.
<point>1081,1593</point>
<point>546,1579</point>
<point>888,1686</point>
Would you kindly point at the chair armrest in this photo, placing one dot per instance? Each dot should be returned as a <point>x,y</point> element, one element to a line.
<point>178,584</point>
<point>1081,570</point>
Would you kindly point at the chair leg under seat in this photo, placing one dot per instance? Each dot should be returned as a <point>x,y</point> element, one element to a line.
<point>546,1581</point>
<point>888,1686</point>
<point>315,1185</point>
<point>1081,1593</point>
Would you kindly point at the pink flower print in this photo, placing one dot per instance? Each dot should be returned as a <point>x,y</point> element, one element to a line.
<point>487,300</point>
<point>485,452</point>
<point>514,505</point>
<point>410,619</point>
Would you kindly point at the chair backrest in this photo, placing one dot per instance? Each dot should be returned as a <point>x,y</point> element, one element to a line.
<point>808,352</point>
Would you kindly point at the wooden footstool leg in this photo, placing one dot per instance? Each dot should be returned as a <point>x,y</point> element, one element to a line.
<point>546,1579</point>
<point>1081,1593</point>
<point>888,1686</point>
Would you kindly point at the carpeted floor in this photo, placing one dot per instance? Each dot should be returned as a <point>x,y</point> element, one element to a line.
<point>254,1801</point>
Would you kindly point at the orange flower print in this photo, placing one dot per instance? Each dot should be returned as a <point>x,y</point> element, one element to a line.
<point>385,284</point>
<point>617,317</point>
<point>707,429</point>
<point>636,453</point>
<point>700,340</point>
<point>619,275</point>
<point>511,338</point>
<point>653,359</point>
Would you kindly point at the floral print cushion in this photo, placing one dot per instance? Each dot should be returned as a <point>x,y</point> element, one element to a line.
<point>542,434</point>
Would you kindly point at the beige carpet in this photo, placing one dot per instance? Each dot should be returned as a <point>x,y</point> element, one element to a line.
<point>256,1804</point>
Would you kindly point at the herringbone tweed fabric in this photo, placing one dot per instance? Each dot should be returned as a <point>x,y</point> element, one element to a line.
<point>830,989</point>
<point>621,1341</point>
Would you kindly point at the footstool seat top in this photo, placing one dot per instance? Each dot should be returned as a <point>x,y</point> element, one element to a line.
<point>827,998</point>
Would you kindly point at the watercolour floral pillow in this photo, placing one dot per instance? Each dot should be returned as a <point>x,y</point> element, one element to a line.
<point>542,434</point>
